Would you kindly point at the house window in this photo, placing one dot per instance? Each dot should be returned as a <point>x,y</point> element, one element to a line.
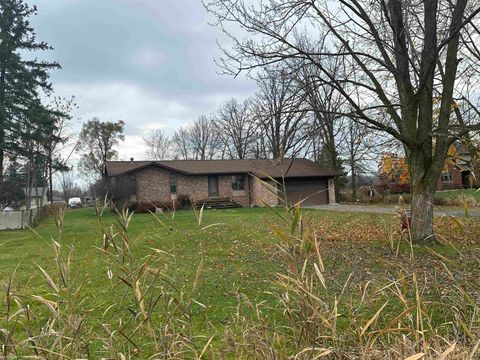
<point>173,183</point>
<point>446,177</point>
<point>238,182</point>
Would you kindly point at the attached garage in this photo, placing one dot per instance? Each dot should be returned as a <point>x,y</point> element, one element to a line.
<point>312,191</point>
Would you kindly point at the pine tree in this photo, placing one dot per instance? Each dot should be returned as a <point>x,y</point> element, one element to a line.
<point>21,79</point>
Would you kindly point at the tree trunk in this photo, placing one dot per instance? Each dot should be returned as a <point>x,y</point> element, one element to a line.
<point>422,214</point>
<point>2,150</point>
<point>3,123</point>
<point>354,182</point>
<point>50,176</point>
<point>422,188</point>
<point>28,187</point>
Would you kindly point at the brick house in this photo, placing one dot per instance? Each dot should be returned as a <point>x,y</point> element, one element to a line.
<point>457,174</point>
<point>245,182</point>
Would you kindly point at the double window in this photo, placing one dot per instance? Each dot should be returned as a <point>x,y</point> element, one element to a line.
<point>173,183</point>
<point>446,177</point>
<point>238,182</point>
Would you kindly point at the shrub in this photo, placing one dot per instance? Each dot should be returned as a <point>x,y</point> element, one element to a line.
<point>132,206</point>
<point>55,209</point>
<point>151,206</point>
<point>184,201</point>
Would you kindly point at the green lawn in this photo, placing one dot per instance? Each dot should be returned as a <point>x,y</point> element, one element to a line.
<point>239,253</point>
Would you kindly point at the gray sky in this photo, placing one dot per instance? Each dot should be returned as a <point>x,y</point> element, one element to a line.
<point>147,62</point>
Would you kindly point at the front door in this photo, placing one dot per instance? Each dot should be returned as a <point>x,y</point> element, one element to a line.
<point>213,186</point>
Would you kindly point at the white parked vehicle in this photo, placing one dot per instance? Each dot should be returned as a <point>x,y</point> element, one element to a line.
<point>74,202</point>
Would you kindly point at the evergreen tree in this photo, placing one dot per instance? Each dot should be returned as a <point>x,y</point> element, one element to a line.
<point>21,79</point>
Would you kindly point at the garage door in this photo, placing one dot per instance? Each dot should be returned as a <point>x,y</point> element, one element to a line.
<point>314,191</point>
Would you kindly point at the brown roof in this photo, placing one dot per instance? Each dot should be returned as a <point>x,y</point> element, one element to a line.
<point>261,168</point>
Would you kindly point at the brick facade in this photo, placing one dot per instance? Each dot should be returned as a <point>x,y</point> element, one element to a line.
<point>153,184</point>
<point>263,192</point>
<point>456,179</point>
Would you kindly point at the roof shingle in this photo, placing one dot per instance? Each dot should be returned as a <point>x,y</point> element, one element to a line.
<point>261,168</point>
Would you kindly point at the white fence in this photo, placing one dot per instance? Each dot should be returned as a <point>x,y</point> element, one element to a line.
<point>18,219</point>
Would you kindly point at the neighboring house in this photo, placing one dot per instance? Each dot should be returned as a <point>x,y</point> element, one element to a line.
<point>457,174</point>
<point>246,182</point>
<point>38,196</point>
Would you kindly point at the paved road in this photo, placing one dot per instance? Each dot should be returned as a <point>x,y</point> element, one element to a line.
<point>376,209</point>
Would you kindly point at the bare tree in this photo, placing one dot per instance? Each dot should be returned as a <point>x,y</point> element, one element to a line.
<point>68,186</point>
<point>198,141</point>
<point>181,144</point>
<point>279,112</point>
<point>259,147</point>
<point>204,139</point>
<point>325,120</point>
<point>62,143</point>
<point>236,128</point>
<point>159,145</point>
<point>358,146</point>
<point>402,58</point>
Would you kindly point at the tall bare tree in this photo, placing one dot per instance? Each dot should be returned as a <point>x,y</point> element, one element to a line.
<point>197,141</point>
<point>325,121</point>
<point>403,59</point>
<point>236,127</point>
<point>159,145</point>
<point>279,112</point>
<point>358,146</point>
<point>204,139</point>
<point>181,144</point>
<point>68,185</point>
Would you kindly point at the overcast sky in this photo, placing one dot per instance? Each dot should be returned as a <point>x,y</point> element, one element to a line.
<point>147,62</point>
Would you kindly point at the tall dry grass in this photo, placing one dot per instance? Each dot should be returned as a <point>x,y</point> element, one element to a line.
<point>366,321</point>
<point>314,315</point>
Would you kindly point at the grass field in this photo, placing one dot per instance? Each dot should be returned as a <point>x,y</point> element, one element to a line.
<point>238,255</point>
<point>228,250</point>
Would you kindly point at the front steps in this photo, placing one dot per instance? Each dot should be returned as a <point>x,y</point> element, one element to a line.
<point>217,203</point>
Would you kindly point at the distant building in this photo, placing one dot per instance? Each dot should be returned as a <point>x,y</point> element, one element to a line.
<point>457,174</point>
<point>38,196</point>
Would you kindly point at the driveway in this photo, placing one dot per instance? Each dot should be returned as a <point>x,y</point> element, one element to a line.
<point>378,209</point>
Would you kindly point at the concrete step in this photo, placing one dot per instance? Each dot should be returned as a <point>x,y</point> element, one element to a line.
<point>217,203</point>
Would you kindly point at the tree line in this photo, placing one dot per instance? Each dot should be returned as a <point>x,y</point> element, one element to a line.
<point>292,114</point>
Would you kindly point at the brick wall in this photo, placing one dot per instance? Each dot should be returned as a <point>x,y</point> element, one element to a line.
<point>153,184</point>
<point>456,182</point>
<point>262,193</point>
<point>196,187</point>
